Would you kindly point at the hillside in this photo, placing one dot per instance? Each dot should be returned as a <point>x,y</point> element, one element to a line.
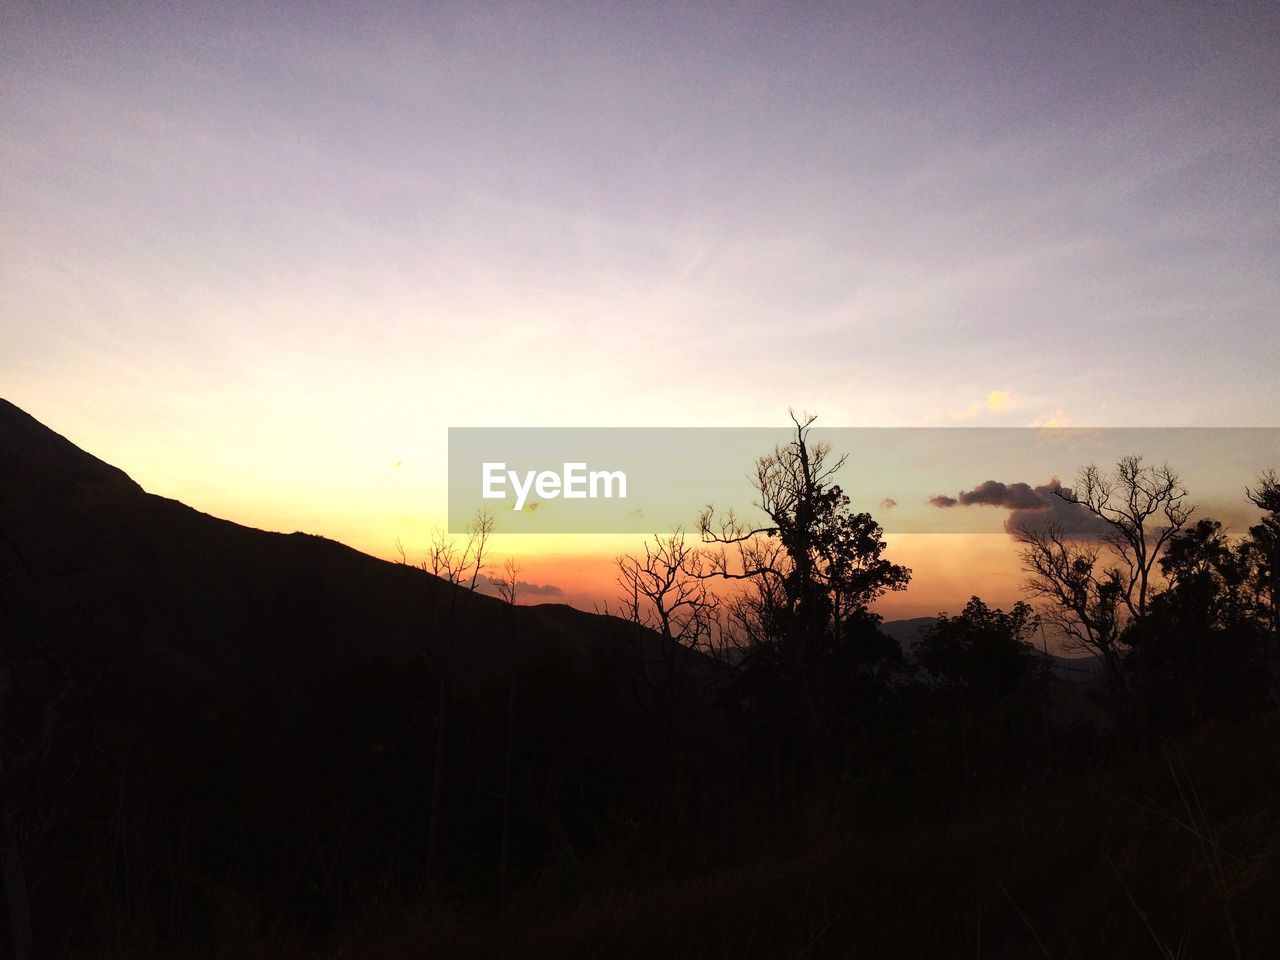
<point>221,741</point>
<point>88,550</point>
<point>226,696</point>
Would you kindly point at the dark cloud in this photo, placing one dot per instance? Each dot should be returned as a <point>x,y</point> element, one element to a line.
<point>1029,506</point>
<point>888,503</point>
<point>538,589</point>
<point>523,588</point>
<point>1011,496</point>
<point>1072,518</point>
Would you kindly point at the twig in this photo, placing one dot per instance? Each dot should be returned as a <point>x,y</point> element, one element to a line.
<point>1024,918</point>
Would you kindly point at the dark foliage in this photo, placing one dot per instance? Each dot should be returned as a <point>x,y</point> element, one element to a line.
<point>218,739</point>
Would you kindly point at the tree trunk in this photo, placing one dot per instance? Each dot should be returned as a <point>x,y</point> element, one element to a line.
<point>15,890</point>
<point>506,793</point>
<point>437,779</point>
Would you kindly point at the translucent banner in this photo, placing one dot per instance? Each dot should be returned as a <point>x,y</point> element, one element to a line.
<point>912,480</point>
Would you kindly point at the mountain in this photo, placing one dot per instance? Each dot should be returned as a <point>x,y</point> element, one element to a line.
<point>244,622</point>
<point>205,726</point>
<point>907,633</point>
<point>235,702</point>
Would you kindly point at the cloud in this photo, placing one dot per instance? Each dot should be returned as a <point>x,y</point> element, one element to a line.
<point>1012,496</point>
<point>1028,506</point>
<point>523,588</point>
<point>538,589</point>
<point>996,402</point>
<point>888,503</point>
<point>1058,419</point>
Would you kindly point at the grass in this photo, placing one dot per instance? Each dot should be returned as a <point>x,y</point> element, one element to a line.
<point>1177,855</point>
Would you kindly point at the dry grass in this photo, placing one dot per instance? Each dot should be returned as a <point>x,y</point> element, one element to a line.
<point>1176,856</point>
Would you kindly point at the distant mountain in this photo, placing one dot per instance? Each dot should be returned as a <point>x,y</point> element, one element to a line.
<point>908,632</point>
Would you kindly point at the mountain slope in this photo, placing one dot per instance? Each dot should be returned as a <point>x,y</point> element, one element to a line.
<point>86,551</point>
<point>253,709</point>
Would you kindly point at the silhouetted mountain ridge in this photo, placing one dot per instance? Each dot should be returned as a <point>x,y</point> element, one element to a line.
<point>262,685</point>
<point>97,549</point>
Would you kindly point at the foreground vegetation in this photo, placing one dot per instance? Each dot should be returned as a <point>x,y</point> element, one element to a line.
<point>1174,855</point>
<point>221,742</point>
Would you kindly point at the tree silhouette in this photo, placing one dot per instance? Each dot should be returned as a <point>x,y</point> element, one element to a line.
<point>1203,641</point>
<point>460,563</point>
<point>1142,507</point>
<point>1262,551</point>
<point>665,590</point>
<point>1077,595</point>
<point>817,562</point>
<point>985,651</point>
<point>981,669</point>
<point>1097,589</point>
<point>811,572</point>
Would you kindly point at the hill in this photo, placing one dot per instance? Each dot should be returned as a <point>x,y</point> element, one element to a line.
<point>260,712</point>
<point>221,741</point>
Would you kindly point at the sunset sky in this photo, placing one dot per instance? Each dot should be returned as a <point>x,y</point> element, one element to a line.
<point>262,259</point>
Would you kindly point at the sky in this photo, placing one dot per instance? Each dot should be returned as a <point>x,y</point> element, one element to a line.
<point>263,256</point>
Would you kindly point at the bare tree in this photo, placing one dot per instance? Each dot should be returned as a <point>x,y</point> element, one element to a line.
<point>1078,597</point>
<point>811,571</point>
<point>816,561</point>
<point>17,756</point>
<point>12,874</point>
<point>509,583</point>
<point>1143,507</point>
<point>666,591</point>
<point>460,563</point>
<point>1097,589</point>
